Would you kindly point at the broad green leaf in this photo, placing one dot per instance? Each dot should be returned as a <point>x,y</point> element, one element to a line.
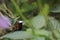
<point>38,38</point>
<point>55,23</point>
<point>42,32</point>
<point>56,34</point>
<point>29,30</point>
<point>18,35</point>
<point>56,9</point>
<point>38,21</point>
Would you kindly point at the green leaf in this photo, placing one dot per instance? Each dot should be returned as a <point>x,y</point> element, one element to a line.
<point>38,38</point>
<point>42,32</point>
<point>38,21</point>
<point>14,20</point>
<point>55,23</point>
<point>56,9</point>
<point>56,34</point>
<point>18,35</point>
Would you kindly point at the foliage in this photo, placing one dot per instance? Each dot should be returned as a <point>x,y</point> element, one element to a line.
<point>40,25</point>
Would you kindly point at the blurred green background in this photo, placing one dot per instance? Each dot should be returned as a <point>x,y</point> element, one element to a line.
<point>41,19</point>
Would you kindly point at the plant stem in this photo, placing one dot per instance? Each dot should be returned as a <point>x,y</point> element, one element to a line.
<point>22,16</point>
